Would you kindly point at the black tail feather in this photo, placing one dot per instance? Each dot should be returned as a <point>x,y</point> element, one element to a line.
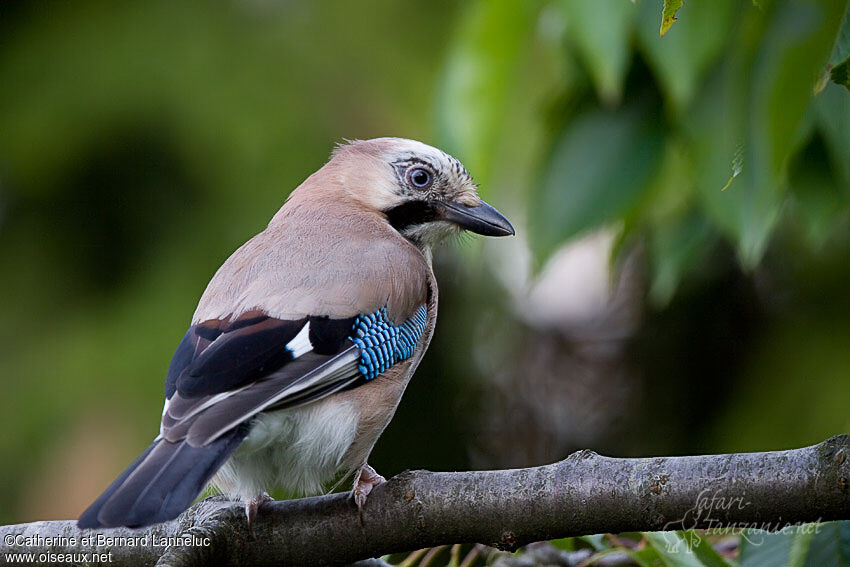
<point>88,519</point>
<point>161,483</point>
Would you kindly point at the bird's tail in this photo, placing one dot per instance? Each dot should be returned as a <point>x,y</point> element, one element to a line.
<point>161,483</point>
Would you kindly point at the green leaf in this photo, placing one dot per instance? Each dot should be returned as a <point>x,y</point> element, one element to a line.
<point>841,49</point>
<point>678,234</point>
<point>757,102</point>
<point>800,544</point>
<point>601,33</point>
<point>681,59</point>
<point>795,47</point>
<point>703,550</point>
<point>481,65</point>
<point>565,543</point>
<point>596,541</point>
<point>762,549</point>
<point>675,247</point>
<point>678,549</point>
<point>832,109</point>
<point>841,74</point>
<point>830,544</point>
<point>668,14</point>
<point>809,545</point>
<point>839,61</point>
<point>596,174</point>
<point>647,556</point>
<point>817,201</point>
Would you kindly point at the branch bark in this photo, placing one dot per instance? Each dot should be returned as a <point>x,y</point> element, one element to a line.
<point>584,494</point>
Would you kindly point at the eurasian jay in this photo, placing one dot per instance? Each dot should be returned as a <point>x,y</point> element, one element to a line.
<point>306,337</point>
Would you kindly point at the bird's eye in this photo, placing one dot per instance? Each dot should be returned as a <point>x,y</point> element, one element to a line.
<point>419,177</point>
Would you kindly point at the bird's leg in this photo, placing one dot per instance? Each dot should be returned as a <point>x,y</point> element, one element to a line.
<point>367,479</point>
<point>252,506</point>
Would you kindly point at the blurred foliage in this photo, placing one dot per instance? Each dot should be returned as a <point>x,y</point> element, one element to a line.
<point>808,545</point>
<point>731,93</point>
<point>654,549</point>
<point>707,140</point>
<point>839,61</point>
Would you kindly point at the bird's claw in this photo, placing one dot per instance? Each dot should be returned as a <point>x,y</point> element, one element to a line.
<point>367,479</point>
<point>251,508</point>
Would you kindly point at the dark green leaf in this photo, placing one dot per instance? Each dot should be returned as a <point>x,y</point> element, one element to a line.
<point>810,545</point>
<point>817,200</point>
<point>801,541</point>
<point>646,557</point>
<point>681,58</point>
<point>676,549</point>
<point>596,173</point>
<point>755,106</point>
<point>601,32</point>
<point>832,109</point>
<point>840,58</point>
<point>796,45</point>
<point>840,74</point>
<point>479,76</point>
<point>762,549</point>
<point>596,541</point>
<point>703,550</point>
<point>841,49</point>
<point>830,544</point>
<point>675,247</point>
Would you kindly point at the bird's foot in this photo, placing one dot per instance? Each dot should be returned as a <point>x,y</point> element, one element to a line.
<point>251,508</point>
<point>367,479</point>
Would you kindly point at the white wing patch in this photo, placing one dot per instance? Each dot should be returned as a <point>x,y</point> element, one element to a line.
<point>161,423</point>
<point>301,343</point>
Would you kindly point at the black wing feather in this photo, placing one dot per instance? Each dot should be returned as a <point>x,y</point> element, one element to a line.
<point>242,353</point>
<point>220,368</point>
<point>328,335</point>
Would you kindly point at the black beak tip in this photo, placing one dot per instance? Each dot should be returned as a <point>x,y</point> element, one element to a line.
<point>508,229</point>
<point>501,229</point>
<point>480,219</point>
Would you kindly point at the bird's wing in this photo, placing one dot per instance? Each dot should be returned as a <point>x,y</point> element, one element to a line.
<point>221,376</point>
<point>225,373</point>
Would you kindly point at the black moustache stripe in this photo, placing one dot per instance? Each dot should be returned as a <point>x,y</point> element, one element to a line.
<point>410,214</point>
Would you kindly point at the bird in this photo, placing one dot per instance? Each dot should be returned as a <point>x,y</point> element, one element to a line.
<point>306,337</point>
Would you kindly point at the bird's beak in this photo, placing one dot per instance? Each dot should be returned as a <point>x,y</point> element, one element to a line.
<point>481,219</point>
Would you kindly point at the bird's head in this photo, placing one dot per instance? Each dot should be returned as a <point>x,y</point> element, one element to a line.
<point>423,192</point>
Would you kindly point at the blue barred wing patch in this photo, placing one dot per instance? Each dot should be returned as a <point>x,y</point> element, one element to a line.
<point>382,343</point>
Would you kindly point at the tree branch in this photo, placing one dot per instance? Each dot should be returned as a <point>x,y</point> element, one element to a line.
<point>584,494</point>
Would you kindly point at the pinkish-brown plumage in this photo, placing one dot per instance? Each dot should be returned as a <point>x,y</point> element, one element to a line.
<point>274,385</point>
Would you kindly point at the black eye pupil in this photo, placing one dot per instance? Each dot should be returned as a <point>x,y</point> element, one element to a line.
<point>420,177</point>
